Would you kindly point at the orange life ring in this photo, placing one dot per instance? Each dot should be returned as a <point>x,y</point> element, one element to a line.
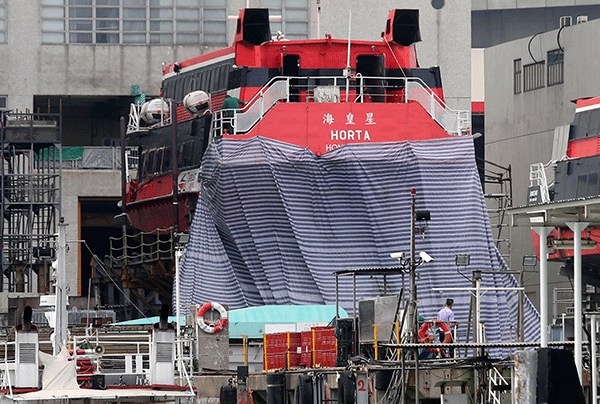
<point>211,327</point>
<point>425,337</point>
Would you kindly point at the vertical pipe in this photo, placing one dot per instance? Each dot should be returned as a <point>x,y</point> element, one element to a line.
<point>337,302</point>
<point>521,325</point>
<point>60,327</point>
<point>314,346</point>
<point>265,361</point>
<point>543,233</point>
<point>287,351</point>
<point>397,325</point>
<point>174,166</point>
<point>245,349</point>
<point>122,132</point>
<point>413,289</point>
<point>375,342</point>
<point>178,255</point>
<point>594,359</point>
<point>348,57</point>
<point>577,227</point>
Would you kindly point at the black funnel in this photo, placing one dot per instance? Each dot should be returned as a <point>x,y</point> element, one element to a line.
<point>163,324</point>
<point>27,314</point>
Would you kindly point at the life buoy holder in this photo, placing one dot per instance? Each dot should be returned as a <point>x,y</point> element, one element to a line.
<point>211,327</point>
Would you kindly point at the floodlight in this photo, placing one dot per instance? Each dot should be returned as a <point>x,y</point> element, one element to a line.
<point>397,255</point>
<point>425,257</point>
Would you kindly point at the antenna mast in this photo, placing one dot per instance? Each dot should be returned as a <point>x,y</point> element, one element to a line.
<point>348,73</point>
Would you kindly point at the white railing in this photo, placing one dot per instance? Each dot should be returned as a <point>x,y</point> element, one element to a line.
<point>453,122</point>
<point>328,89</point>
<point>537,177</point>
<point>135,121</point>
<point>127,354</point>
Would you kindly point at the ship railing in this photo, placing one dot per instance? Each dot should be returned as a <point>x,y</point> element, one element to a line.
<point>453,121</point>
<point>8,367</point>
<point>336,89</point>
<point>126,356</point>
<point>537,178</point>
<point>241,121</point>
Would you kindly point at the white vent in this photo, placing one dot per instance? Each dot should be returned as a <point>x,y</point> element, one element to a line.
<point>164,352</point>
<point>581,19</point>
<point>565,21</point>
<point>27,352</point>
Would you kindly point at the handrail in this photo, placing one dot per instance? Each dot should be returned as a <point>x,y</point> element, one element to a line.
<point>327,89</point>
<point>537,177</point>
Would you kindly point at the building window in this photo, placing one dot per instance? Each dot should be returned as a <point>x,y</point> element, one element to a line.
<point>2,102</point>
<point>144,22</point>
<point>294,17</point>
<point>556,60</point>
<point>518,76</point>
<point>2,21</point>
<point>533,76</point>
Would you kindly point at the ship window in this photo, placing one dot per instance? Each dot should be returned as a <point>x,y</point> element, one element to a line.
<point>187,155</point>
<point>582,185</point>
<point>555,67</point>
<point>593,185</point>
<point>594,128</point>
<point>166,160</point>
<point>582,124</point>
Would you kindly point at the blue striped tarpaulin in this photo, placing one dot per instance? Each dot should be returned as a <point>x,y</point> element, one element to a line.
<point>274,222</point>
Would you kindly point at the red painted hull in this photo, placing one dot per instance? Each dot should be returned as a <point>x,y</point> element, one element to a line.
<point>322,127</point>
<point>151,208</point>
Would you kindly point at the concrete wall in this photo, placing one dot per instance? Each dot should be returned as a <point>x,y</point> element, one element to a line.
<point>519,128</point>
<point>496,25</point>
<point>112,69</point>
<point>29,68</point>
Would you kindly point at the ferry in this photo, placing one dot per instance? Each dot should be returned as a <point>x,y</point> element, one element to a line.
<point>571,176</point>
<point>319,94</point>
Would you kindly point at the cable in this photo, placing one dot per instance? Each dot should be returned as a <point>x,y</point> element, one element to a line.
<point>101,265</point>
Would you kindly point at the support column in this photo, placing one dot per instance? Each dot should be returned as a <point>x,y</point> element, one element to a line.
<point>594,359</point>
<point>543,233</point>
<point>577,227</point>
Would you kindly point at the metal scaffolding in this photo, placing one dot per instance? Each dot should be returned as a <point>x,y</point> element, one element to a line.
<point>30,198</point>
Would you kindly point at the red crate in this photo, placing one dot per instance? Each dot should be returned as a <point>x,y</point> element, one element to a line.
<point>325,359</point>
<point>295,360</point>
<point>306,348</point>
<point>324,338</point>
<point>276,361</point>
